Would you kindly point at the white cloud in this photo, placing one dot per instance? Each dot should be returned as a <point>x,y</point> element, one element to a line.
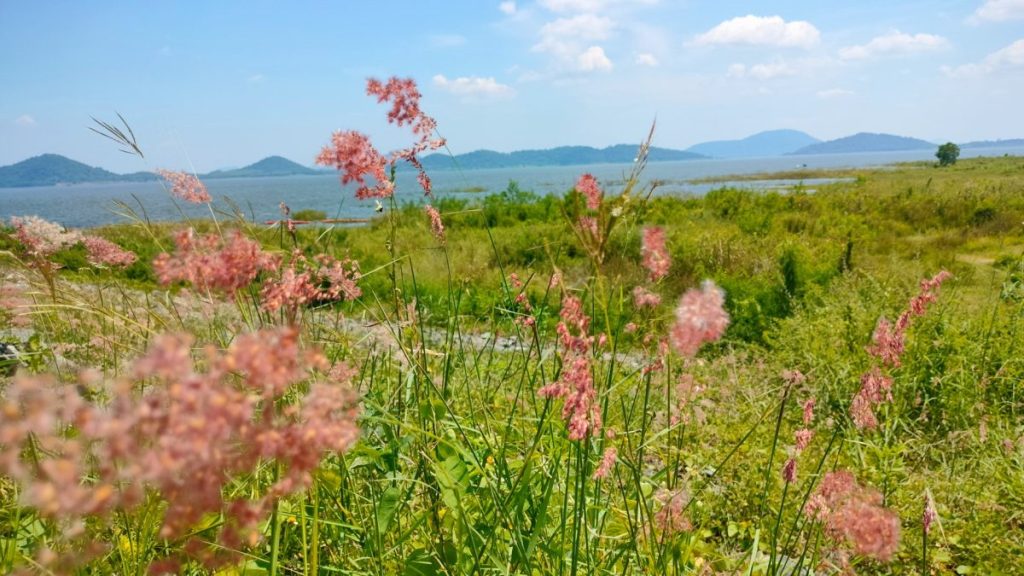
<point>763,31</point>
<point>894,43</point>
<point>255,79</point>
<point>834,93</point>
<point>1011,56</point>
<point>999,11</point>
<point>646,59</point>
<point>507,7</point>
<point>592,59</point>
<point>473,86</point>
<point>762,71</point>
<point>25,120</point>
<point>587,5</point>
<point>447,40</point>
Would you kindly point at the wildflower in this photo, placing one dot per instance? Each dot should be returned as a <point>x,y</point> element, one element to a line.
<point>700,317</point>
<point>356,158</point>
<point>655,255</point>
<point>671,516</point>
<point>436,225</point>
<point>875,388</point>
<point>575,384</point>
<point>808,410</point>
<point>803,438</point>
<point>186,186</point>
<point>587,185</point>
<point>322,279</point>
<point>789,471</point>
<point>102,252</point>
<point>930,514</point>
<point>42,238</point>
<point>642,297</point>
<point>213,263</point>
<point>607,463</point>
<point>853,514</point>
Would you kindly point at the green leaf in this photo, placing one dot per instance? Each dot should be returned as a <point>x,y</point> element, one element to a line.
<point>421,563</point>
<point>386,508</point>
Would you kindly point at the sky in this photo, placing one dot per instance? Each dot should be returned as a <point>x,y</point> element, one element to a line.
<point>208,85</point>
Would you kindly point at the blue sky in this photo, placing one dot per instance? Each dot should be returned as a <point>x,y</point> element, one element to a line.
<point>220,84</point>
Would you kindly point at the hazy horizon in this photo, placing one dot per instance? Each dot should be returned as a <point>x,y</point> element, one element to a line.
<point>213,86</point>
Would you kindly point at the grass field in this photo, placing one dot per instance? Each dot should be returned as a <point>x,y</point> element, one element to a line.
<point>518,410</point>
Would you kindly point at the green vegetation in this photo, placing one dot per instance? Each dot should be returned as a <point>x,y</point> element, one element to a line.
<point>463,468</point>
<point>947,154</point>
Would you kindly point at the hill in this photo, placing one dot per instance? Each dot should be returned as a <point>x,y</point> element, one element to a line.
<point>866,142</point>
<point>270,166</point>
<point>1013,143</point>
<point>560,156</point>
<point>769,143</point>
<point>52,169</point>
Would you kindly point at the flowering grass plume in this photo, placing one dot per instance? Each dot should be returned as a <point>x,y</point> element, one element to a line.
<point>655,255</point>
<point>607,464</point>
<point>888,346</point>
<point>575,384</point>
<point>700,318</point>
<point>42,238</point>
<point>587,185</point>
<point>853,514</point>
<point>436,225</point>
<point>103,252</point>
<point>186,186</point>
<point>355,157</point>
<point>320,279</point>
<point>644,298</point>
<point>187,436</point>
<point>213,263</point>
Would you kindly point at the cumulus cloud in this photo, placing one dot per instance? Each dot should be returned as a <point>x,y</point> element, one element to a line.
<point>592,59</point>
<point>1009,57</point>
<point>25,120</point>
<point>834,93</point>
<point>473,86</point>
<point>507,7</point>
<point>762,31</point>
<point>587,5</point>
<point>646,59</point>
<point>894,43</point>
<point>999,11</point>
<point>762,71</point>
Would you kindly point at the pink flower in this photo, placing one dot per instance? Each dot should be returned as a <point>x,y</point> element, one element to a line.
<point>642,298</point>
<point>355,157</point>
<point>436,225</point>
<point>303,281</point>
<point>42,238</point>
<point>213,263</point>
<point>803,438</point>
<point>808,409</point>
<point>671,516</point>
<point>587,185</point>
<point>789,471</point>
<point>608,460</point>
<point>186,186</point>
<point>102,252</point>
<point>930,514</point>
<point>700,318</point>
<point>575,383</point>
<point>655,255</point>
<point>854,514</point>
<point>875,388</point>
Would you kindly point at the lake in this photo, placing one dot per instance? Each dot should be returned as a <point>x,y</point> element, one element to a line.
<point>87,205</point>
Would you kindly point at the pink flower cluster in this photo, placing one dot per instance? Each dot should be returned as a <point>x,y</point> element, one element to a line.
<point>213,263</point>
<point>42,238</point>
<point>436,225</point>
<point>184,438</point>
<point>587,185</point>
<point>322,279</point>
<point>608,460</point>
<point>854,514</point>
<point>644,298</point>
<point>888,346</point>
<point>801,438</point>
<point>526,319</point>
<point>654,253</point>
<point>575,384</point>
<point>355,157</point>
<point>700,318</point>
<point>103,252</point>
<point>186,186</point>
<point>671,516</point>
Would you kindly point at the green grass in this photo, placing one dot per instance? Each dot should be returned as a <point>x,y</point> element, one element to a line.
<point>462,468</point>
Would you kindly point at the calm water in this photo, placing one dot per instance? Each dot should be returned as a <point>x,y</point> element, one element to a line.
<point>86,205</point>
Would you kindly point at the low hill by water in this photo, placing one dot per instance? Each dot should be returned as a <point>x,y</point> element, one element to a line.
<point>769,143</point>
<point>270,166</point>
<point>53,169</point>
<point>560,156</point>
<point>866,142</point>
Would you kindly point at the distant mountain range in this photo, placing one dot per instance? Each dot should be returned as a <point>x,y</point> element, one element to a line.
<point>53,169</point>
<point>770,143</point>
<point>561,156</point>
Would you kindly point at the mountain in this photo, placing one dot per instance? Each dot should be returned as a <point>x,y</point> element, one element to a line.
<point>866,142</point>
<point>769,143</point>
<point>270,166</point>
<point>560,156</point>
<point>51,169</point>
<point>1014,143</point>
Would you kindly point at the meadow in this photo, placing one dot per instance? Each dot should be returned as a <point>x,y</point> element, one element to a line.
<point>787,382</point>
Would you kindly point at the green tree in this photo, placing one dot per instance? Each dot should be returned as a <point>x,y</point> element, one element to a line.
<point>947,154</point>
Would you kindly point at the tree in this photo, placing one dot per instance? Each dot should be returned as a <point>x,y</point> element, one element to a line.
<point>947,154</point>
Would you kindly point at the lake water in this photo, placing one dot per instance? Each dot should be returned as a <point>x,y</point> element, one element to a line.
<point>87,205</point>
